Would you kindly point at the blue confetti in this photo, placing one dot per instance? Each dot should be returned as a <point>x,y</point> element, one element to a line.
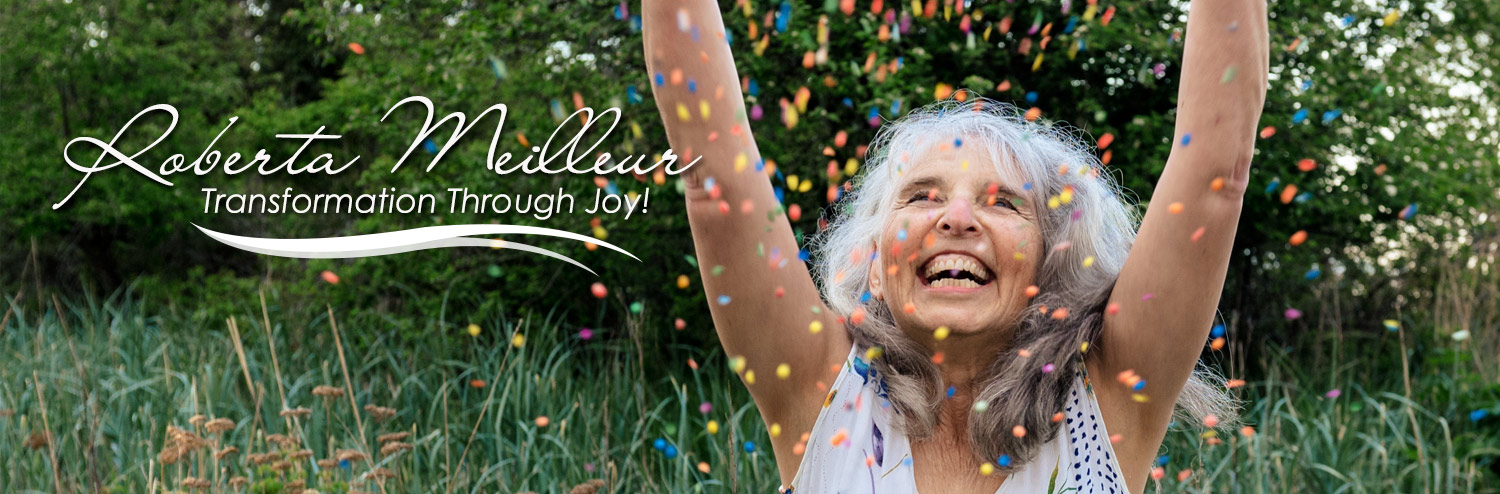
<point>635,23</point>
<point>848,103</point>
<point>430,146</point>
<point>1478,415</point>
<point>1217,332</point>
<point>1003,460</point>
<point>1313,274</point>
<point>1348,20</point>
<point>1307,84</point>
<point>951,391</point>
<point>1409,211</point>
<point>901,234</point>
<point>1329,115</point>
<point>1275,184</point>
<point>1026,186</point>
<point>723,300</point>
<point>783,17</point>
<point>1186,138</point>
<point>749,446</point>
<point>895,107</point>
<point>660,79</point>
<point>803,255</point>
<point>619,12</point>
<point>344,464</point>
<point>874,112</point>
<point>1299,116</point>
<point>780,194</point>
<point>1139,385</point>
<point>1303,197</point>
<point>1072,23</point>
<point>754,88</point>
<point>671,451</point>
<point>864,298</point>
<point>660,444</point>
<point>728,36</point>
<point>692,85</point>
<point>760,165</point>
<point>1031,97</point>
<point>1162,460</point>
<point>958,143</point>
<point>632,94</point>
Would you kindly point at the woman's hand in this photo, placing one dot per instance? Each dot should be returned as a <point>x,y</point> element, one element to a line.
<point>1169,289</point>
<point>761,295</point>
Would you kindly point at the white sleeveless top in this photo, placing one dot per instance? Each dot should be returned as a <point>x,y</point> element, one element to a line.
<point>853,449</point>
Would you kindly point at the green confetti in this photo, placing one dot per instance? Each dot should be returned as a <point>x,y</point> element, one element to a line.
<point>494,271</point>
<point>692,261</point>
<point>636,307</point>
<point>718,270</point>
<point>1229,74</point>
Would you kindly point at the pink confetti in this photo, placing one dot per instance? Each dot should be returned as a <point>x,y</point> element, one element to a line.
<point>1148,296</point>
<point>585,334</point>
<point>1048,368</point>
<point>1293,314</point>
<point>706,407</point>
<point>1333,393</point>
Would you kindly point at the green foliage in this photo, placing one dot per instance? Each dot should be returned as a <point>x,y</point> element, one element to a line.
<point>115,373</point>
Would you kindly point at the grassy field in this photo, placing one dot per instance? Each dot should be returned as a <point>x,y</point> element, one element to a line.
<point>120,396</point>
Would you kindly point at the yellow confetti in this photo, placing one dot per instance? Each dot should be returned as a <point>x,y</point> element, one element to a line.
<point>815,327</point>
<point>783,371</point>
<point>750,377</point>
<point>1391,18</point>
<point>986,469</point>
<point>740,162</point>
<point>473,330</point>
<point>703,109</point>
<point>941,333</point>
<point>874,353</point>
<point>518,340</point>
<point>776,430</point>
<point>737,364</point>
<point>1088,261</point>
<point>682,113</point>
<point>713,427</point>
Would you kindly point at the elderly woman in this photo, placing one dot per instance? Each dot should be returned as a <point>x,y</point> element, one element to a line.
<point>986,271</point>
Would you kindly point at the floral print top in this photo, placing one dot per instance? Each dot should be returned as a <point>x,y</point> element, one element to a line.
<point>853,449</point>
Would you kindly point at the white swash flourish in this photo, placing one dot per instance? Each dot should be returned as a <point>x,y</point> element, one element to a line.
<point>431,237</point>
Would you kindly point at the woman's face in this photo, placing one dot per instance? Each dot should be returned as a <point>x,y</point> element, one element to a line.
<point>959,248</point>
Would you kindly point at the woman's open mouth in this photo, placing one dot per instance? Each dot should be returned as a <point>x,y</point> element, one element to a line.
<point>956,271</point>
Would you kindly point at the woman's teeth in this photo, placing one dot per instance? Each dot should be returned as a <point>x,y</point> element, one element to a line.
<point>953,265</point>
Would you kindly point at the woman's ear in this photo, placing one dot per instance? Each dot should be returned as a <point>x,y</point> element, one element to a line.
<point>876,275</point>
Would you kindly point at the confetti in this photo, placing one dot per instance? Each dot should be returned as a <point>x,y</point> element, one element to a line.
<point>473,330</point>
<point>1293,314</point>
<point>542,421</point>
<point>1267,132</point>
<point>1298,238</point>
<point>330,278</point>
<point>585,334</point>
<point>357,48</point>
<point>598,290</point>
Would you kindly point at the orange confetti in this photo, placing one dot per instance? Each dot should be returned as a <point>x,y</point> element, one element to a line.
<point>1033,114</point>
<point>1112,309</point>
<point>1197,234</point>
<point>1217,184</point>
<point>1018,431</point>
<point>1234,383</point>
<point>1032,290</point>
<point>330,278</point>
<point>1217,344</point>
<point>909,308</point>
<point>839,437</point>
<point>1289,193</point>
<point>1299,237</point>
<point>1247,431</point>
<point>476,383</point>
<point>1105,140</point>
<point>858,317</point>
<point>356,48</point>
<point>543,421</point>
<point>1267,132</point>
<point>598,290</point>
<point>1174,208</point>
<point>937,358</point>
<point>1057,417</point>
<point>1211,421</point>
<point>1307,164</point>
<point>703,466</point>
<point>1183,475</point>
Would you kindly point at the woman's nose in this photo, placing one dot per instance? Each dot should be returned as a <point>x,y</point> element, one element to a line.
<point>958,219</point>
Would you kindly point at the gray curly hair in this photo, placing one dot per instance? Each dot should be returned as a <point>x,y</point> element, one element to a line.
<point>1096,222</point>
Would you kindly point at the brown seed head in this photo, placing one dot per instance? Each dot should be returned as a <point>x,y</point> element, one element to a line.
<point>328,391</point>
<point>298,412</point>
<point>394,436</point>
<point>394,447</point>
<point>226,452</point>
<point>218,425</point>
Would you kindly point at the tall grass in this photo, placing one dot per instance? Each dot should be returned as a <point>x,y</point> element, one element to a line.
<point>89,389</point>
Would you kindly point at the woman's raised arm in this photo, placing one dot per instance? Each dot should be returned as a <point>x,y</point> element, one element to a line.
<point>764,303</point>
<point>1168,291</point>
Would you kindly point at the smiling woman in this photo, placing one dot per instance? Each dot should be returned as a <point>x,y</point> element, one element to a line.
<point>985,268</point>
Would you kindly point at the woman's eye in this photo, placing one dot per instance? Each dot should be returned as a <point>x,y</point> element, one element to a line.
<point>921,196</point>
<point>1003,202</point>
